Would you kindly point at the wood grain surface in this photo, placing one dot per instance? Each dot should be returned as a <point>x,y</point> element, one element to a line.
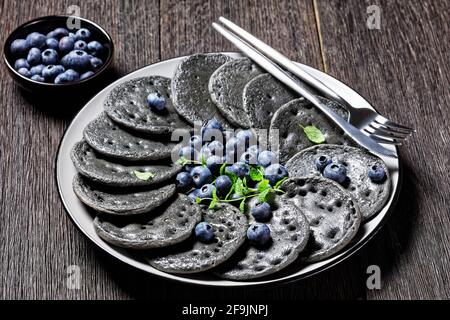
<point>402,68</point>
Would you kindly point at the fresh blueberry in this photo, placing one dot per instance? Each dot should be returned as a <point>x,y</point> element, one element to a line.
<point>261,211</point>
<point>184,181</point>
<point>193,194</point>
<point>37,70</point>
<point>51,72</point>
<point>49,56</point>
<point>19,47</point>
<point>66,44</point>
<point>95,48</point>
<point>196,142</point>
<point>258,233</point>
<point>67,76</point>
<point>155,100</point>
<point>274,173</point>
<point>37,77</point>
<point>249,158</point>
<point>96,63</point>
<point>223,185</point>
<point>201,175</point>
<point>321,162</point>
<point>235,145</point>
<point>21,63</point>
<point>204,232</point>
<point>189,167</point>
<point>377,173</point>
<point>24,72</point>
<point>205,152</point>
<point>216,148</point>
<point>83,34</point>
<point>86,75</point>
<point>52,43</point>
<point>77,60</point>
<point>188,152</point>
<point>36,40</point>
<point>58,33</point>
<point>253,149</point>
<point>79,45</point>
<point>210,128</point>
<point>336,172</point>
<point>240,169</point>
<point>267,158</point>
<point>51,35</point>
<point>213,163</point>
<point>73,36</point>
<point>206,191</point>
<point>246,137</point>
<point>34,56</point>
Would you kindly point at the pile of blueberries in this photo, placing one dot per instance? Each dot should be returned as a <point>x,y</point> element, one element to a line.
<point>58,57</point>
<point>201,177</point>
<point>338,171</point>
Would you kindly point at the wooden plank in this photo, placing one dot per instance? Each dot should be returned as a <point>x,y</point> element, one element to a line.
<point>38,240</point>
<point>403,70</point>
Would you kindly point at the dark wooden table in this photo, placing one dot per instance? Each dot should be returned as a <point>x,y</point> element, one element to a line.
<point>402,68</point>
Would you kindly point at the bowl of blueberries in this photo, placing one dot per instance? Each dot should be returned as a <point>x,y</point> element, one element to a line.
<point>44,57</point>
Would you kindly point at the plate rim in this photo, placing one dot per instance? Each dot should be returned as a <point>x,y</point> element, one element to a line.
<point>285,279</point>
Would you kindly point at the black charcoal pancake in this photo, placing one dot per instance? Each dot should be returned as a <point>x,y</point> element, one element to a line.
<point>127,105</point>
<point>289,232</point>
<point>370,196</point>
<point>107,138</point>
<point>292,139</point>
<point>167,225</point>
<point>113,174</point>
<point>193,256</point>
<point>262,97</point>
<point>191,97</point>
<point>121,203</point>
<point>226,86</point>
<point>333,216</point>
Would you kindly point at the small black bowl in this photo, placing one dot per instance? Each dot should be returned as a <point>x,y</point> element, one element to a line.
<point>45,25</point>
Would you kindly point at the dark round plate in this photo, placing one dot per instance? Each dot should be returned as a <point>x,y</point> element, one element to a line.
<point>83,219</point>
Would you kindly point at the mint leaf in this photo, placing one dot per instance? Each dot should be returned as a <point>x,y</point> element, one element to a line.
<point>214,194</point>
<point>263,185</point>
<point>232,176</point>
<point>239,187</point>
<point>242,206</point>
<point>198,200</point>
<point>313,134</point>
<point>255,174</point>
<point>280,182</point>
<point>222,168</point>
<point>143,175</point>
<point>263,195</point>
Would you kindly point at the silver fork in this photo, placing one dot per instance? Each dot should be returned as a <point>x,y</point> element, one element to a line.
<point>367,120</point>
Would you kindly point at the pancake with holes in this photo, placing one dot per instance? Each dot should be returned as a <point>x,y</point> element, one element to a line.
<point>291,117</point>
<point>192,256</point>
<point>127,105</point>
<point>226,86</point>
<point>369,195</point>
<point>191,97</point>
<point>173,223</point>
<point>263,96</point>
<point>107,138</point>
<point>120,203</point>
<point>333,216</point>
<point>91,166</point>
<point>289,232</point>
